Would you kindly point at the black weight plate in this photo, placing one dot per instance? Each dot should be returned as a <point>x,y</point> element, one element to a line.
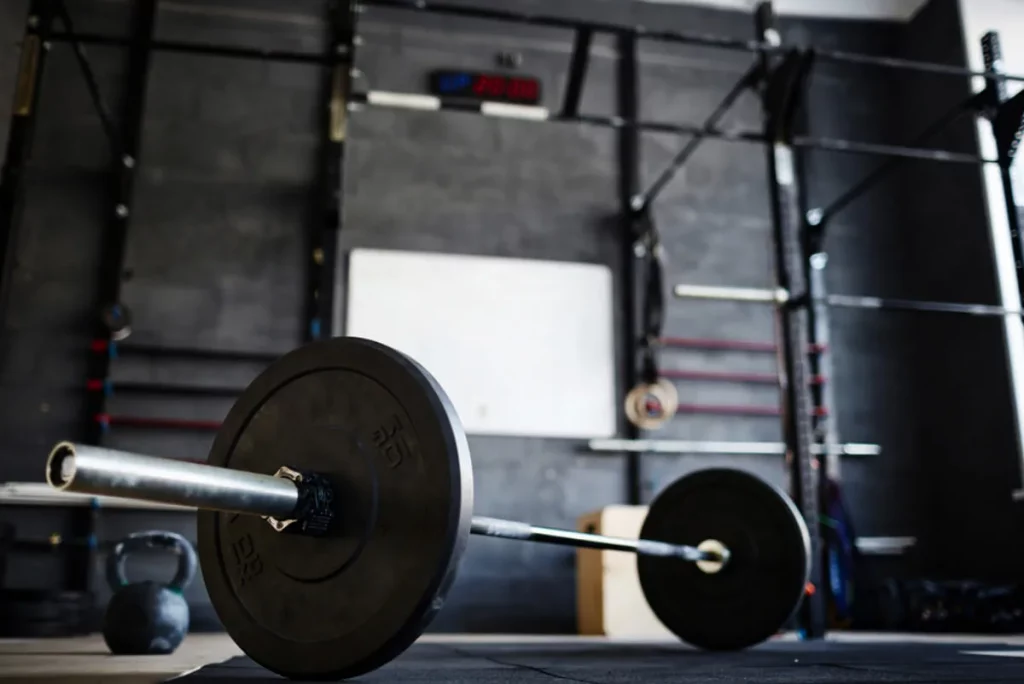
<point>752,597</point>
<point>379,426</point>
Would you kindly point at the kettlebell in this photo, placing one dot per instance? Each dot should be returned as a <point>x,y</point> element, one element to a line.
<point>148,618</point>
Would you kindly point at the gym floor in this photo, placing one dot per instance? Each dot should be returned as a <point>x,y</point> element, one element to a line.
<point>841,659</point>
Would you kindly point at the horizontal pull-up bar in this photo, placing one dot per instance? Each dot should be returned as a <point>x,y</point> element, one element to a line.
<point>552,21</point>
<point>578,62</point>
<point>779,296</point>
<point>882,150</point>
<point>195,48</point>
<point>684,37</point>
<point>421,102</point>
<point>842,56</point>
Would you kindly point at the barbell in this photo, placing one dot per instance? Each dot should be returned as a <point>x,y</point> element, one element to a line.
<point>780,296</point>
<point>337,501</point>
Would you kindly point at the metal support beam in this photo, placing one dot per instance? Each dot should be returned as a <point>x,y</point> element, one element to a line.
<point>629,182</point>
<point>996,92</point>
<point>421,102</point>
<point>822,394</point>
<point>780,98</point>
<point>767,47</point>
<point>643,200</point>
<point>115,235</point>
<point>21,130</point>
<point>119,206</point>
<point>329,206</point>
<point>552,21</point>
<point>577,72</point>
<point>186,47</point>
<point>779,296</point>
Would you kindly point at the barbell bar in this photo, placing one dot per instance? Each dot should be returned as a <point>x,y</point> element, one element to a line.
<point>722,345</point>
<point>671,446</point>
<point>780,296</point>
<point>279,498</point>
<point>337,500</point>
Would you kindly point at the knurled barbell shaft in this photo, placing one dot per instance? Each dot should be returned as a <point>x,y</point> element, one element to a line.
<point>510,529</point>
<point>107,472</point>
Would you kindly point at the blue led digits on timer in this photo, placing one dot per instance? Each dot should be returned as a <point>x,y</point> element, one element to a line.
<point>449,83</point>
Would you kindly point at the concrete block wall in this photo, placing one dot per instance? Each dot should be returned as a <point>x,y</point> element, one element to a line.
<point>215,257</point>
<point>967,452</point>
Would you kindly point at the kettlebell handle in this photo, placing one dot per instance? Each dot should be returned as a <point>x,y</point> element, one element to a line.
<point>188,562</point>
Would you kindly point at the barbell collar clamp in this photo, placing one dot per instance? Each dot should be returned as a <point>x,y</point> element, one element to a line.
<point>314,512</point>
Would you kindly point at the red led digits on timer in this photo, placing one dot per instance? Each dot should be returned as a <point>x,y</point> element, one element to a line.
<point>489,86</point>
<point>522,89</point>
<point>499,87</point>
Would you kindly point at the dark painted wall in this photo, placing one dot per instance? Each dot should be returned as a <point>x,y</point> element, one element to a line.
<point>935,387</point>
<point>215,254</point>
<point>874,352</point>
<point>967,453</point>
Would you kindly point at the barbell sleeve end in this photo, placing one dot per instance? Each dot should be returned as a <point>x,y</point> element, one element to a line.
<point>87,469</point>
<point>60,466</point>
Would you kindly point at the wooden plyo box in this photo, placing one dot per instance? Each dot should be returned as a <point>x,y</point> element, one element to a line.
<point>609,600</point>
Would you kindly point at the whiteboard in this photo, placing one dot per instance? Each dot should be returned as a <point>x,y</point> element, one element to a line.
<point>522,347</point>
